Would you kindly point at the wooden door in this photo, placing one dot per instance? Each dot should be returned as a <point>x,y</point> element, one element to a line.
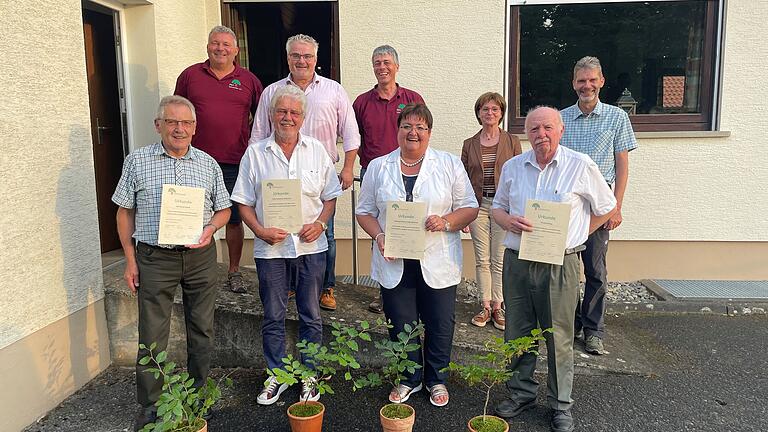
<point>106,128</point>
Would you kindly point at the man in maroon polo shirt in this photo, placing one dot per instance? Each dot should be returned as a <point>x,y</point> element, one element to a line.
<point>377,110</point>
<point>225,95</point>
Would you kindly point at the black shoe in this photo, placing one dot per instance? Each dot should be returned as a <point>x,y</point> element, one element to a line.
<point>562,421</point>
<point>145,416</point>
<point>509,408</point>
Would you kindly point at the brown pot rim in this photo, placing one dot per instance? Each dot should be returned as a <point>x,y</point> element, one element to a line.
<point>288,411</point>
<point>469,422</point>
<point>413,410</point>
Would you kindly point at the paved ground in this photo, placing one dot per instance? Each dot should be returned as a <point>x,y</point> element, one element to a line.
<point>694,372</point>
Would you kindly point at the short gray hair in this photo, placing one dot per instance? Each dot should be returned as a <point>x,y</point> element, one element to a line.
<point>384,50</point>
<point>301,38</point>
<point>222,29</point>
<point>537,107</point>
<point>290,92</point>
<point>174,100</point>
<point>587,62</point>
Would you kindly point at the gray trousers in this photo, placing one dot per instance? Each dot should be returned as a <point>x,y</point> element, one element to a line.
<point>160,272</point>
<point>544,296</point>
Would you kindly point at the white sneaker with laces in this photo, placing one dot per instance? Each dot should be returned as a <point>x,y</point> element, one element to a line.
<point>271,392</point>
<point>309,391</point>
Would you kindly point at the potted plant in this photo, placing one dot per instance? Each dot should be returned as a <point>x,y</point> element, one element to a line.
<point>395,417</point>
<point>321,364</point>
<point>492,369</point>
<point>182,406</point>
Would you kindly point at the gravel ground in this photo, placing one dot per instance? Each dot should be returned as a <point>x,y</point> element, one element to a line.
<point>618,292</point>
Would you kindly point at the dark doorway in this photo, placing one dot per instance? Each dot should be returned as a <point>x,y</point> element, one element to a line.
<point>263,28</point>
<point>106,117</point>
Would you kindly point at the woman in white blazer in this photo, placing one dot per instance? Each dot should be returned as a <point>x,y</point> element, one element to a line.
<point>423,289</point>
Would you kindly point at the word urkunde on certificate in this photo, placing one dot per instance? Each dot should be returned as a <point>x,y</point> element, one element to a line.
<point>405,233</point>
<point>546,243</point>
<point>181,215</point>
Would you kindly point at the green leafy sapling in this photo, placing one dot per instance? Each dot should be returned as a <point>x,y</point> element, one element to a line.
<point>182,405</point>
<point>321,363</point>
<point>491,368</point>
<point>396,354</point>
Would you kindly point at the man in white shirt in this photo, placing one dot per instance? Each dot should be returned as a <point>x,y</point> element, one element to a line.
<point>281,256</point>
<point>540,294</point>
<point>329,115</point>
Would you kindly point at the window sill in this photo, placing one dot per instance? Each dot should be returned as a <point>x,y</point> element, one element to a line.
<point>666,135</point>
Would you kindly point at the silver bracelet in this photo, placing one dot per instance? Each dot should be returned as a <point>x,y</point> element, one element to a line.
<point>376,239</point>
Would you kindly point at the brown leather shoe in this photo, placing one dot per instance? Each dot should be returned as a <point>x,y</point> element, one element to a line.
<point>482,317</point>
<point>327,300</point>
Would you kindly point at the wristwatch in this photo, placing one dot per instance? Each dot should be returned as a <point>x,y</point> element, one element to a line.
<point>322,224</point>
<point>447,225</point>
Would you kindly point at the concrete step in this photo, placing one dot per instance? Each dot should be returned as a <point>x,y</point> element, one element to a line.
<point>239,317</point>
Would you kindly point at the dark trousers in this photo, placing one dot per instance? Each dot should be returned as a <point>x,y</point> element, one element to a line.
<point>329,279</point>
<point>590,312</point>
<point>413,300</point>
<point>275,275</point>
<point>160,272</point>
<point>541,295</point>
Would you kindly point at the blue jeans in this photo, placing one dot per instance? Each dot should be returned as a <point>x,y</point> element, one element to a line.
<point>275,275</point>
<point>329,280</point>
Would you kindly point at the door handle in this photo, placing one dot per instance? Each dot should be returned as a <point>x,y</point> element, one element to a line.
<point>100,128</point>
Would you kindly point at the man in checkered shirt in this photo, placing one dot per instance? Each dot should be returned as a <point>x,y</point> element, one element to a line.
<point>604,133</point>
<point>154,270</point>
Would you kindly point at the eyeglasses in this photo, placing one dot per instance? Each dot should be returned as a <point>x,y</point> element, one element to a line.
<point>494,110</point>
<point>282,112</point>
<point>409,127</point>
<point>297,56</point>
<point>183,123</point>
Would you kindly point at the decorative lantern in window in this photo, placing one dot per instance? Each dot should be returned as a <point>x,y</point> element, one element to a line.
<point>627,102</point>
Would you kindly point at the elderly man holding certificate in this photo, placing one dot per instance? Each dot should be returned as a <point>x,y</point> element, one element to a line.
<point>414,203</point>
<point>171,200</point>
<point>549,199</point>
<point>286,192</point>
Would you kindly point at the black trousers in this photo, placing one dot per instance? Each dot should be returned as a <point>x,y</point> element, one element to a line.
<point>413,300</point>
<point>160,272</point>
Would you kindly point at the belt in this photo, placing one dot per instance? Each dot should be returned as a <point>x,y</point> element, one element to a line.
<point>568,251</point>
<point>489,194</point>
<point>172,248</point>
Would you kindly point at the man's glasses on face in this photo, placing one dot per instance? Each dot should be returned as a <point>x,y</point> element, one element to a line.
<point>409,127</point>
<point>282,112</point>
<point>297,56</point>
<point>182,123</point>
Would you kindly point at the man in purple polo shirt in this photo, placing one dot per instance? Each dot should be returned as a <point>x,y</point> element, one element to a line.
<point>377,110</point>
<point>225,95</point>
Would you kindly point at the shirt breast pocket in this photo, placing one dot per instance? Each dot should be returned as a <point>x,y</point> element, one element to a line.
<point>311,183</point>
<point>604,140</point>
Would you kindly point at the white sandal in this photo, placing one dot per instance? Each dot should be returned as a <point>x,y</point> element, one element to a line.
<point>438,390</point>
<point>404,392</point>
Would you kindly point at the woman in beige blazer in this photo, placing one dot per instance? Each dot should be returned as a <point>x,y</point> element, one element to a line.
<point>483,155</point>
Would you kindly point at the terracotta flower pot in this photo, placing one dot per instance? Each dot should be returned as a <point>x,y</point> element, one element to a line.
<point>397,425</point>
<point>471,429</point>
<point>306,424</point>
<point>204,428</point>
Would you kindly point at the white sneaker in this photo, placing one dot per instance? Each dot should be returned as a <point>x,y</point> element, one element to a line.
<point>309,391</point>
<point>271,392</point>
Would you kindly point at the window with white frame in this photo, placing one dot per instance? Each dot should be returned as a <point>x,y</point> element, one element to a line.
<point>662,54</point>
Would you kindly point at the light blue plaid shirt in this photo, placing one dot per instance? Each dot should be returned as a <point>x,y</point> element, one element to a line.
<point>147,169</point>
<point>600,135</point>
